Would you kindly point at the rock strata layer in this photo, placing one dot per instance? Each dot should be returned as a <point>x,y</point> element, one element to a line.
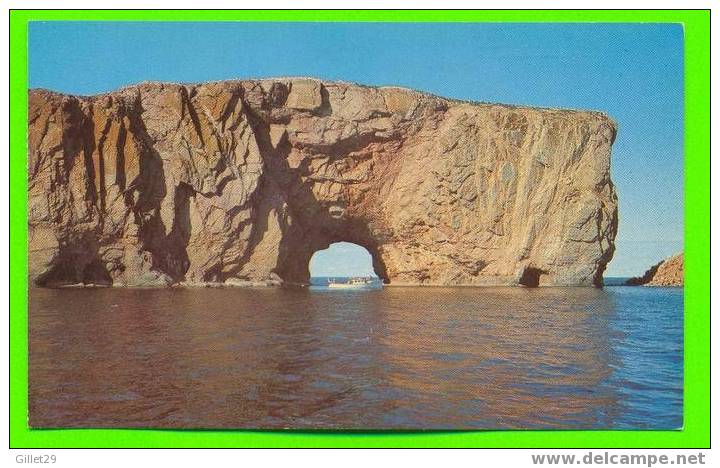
<point>240,182</point>
<point>669,272</point>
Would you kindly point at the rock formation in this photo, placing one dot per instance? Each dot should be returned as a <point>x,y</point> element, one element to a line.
<point>669,272</point>
<point>242,181</point>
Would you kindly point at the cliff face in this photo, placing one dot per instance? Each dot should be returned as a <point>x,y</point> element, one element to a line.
<point>244,180</point>
<point>669,272</point>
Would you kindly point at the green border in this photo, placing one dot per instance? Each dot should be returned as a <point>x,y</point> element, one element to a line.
<point>696,433</point>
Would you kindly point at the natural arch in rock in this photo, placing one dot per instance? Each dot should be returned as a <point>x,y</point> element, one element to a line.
<point>245,180</point>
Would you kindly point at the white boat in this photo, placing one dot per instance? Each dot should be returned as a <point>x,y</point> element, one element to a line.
<point>352,283</point>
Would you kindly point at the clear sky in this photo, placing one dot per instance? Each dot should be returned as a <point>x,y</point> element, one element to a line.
<point>342,259</point>
<point>632,72</point>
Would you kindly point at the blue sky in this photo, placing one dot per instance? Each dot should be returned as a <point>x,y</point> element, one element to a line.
<point>342,259</point>
<point>633,72</point>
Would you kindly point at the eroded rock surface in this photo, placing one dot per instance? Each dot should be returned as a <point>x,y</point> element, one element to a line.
<point>669,272</point>
<point>240,182</point>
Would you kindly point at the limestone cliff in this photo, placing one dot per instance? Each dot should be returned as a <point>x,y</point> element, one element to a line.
<point>669,272</point>
<point>244,180</point>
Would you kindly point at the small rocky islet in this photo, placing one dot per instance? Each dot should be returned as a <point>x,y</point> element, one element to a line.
<point>668,272</point>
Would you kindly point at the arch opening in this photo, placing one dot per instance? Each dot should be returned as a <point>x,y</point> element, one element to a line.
<point>531,277</point>
<point>343,260</point>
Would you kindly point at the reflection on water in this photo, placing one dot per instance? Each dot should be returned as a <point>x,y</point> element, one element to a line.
<point>413,358</point>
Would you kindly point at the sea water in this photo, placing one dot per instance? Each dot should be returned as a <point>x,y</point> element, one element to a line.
<point>373,358</point>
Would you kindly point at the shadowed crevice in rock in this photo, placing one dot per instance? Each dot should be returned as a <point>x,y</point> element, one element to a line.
<point>190,109</point>
<point>94,189</point>
<point>179,236</point>
<point>77,262</point>
<point>149,184</point>
<point>120,178</point>
<point>167,259</point>
<point>243,181</point>
<point>531,277</point>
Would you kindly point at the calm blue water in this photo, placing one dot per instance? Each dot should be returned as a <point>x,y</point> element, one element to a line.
<point>646,340</point>
<point>380,358</point>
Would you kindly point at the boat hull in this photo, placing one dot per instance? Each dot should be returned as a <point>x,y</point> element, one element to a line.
<point>347,286</point>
